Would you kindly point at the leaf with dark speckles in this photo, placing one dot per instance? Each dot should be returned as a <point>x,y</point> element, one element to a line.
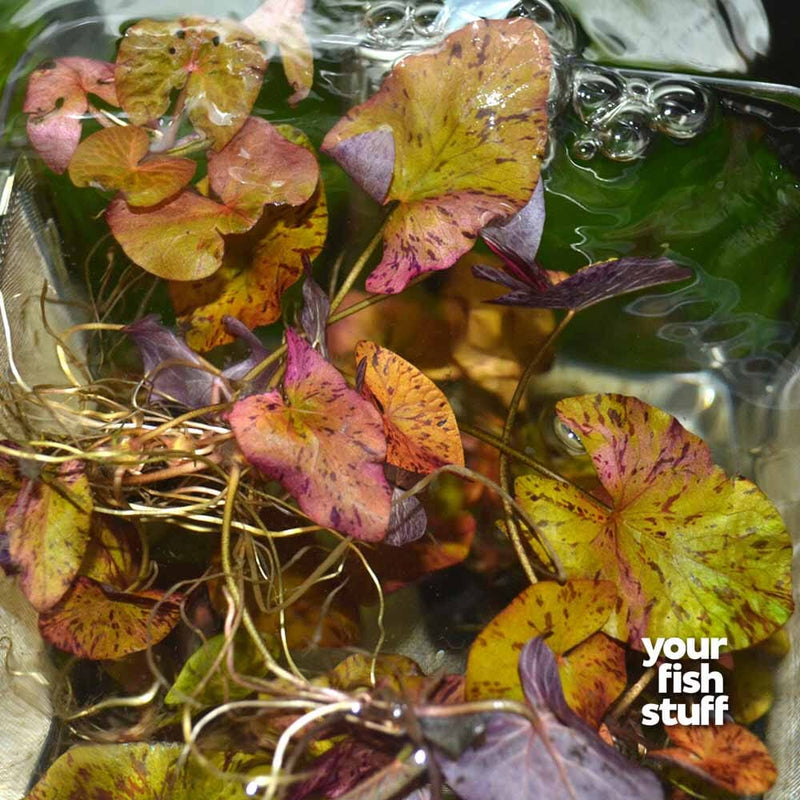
<point>456,136</point>
<point>692,552</point>
<point>322,441</point>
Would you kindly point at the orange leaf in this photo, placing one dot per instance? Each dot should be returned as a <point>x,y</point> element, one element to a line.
<point>421,430</point>
<point>728,756</point>
<point>110,159</point>
<point>99,623</point>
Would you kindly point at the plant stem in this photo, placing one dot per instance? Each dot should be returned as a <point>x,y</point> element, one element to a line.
<point>627,699</point>
<point>505,466</point>
<point>356,270</point>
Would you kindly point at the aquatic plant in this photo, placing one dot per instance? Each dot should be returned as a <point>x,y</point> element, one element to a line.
<point>313,480</point>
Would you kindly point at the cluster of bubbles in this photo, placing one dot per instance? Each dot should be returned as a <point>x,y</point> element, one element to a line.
<point>623,114</point>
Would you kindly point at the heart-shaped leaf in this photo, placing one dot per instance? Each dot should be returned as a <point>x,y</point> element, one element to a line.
<point>421,430</point>
<point>98,622</point>
<point>280,22</point>
<point>138,771</point>
<point>260,265</point>
<point>48,527</point>
<point>182,239</point>
<point>112,556</point>
<point>218,64</point>
<point>566,617</point>
<point>533,287</point>
<point>455,165</point>
<point>692,552</point>
<point>57,99</point>
<point>112,159</point>
<point>559,757</point>
<point>726,756</point>
<point>322,441</point>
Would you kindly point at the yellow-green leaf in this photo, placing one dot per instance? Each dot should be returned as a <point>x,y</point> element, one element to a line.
<point>112,159</point>
<point>566,616</point>
<point>112,555</point>
<point>455,135</point>
<point>693,552</point>
<point>139,772</point>
<point>219,65</point>
<point>48,527</point>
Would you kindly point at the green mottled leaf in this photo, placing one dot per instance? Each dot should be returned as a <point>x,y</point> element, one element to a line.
<point>692,552</point>
<point>456,136</point>
<point>98,622</point>
<point>48,527</point>
<point>218,64</point>
<point>139,772</point>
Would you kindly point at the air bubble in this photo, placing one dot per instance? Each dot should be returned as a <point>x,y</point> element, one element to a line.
<point>596,93</point>
<point>682,110</point>
<point>626,138</point>
<point>585,148</point>
<point>568,437</point>
<point>554,18</point>
<point>429,19</point>
<point>386,22</point>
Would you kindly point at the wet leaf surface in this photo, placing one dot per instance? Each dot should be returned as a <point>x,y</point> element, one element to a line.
<point>112,159</point>
<point>48,527</point>
<point>693,552</point>
<point>112,556</point>
<point>258,267</point>
<point>728,756</point>
<point>97,622</point>
<point>322,441</point>
<point>566,617</point>
<point>136,772</point>
<point>280,22</point>
<point>534,287</point>
<point>458,164</point>
<point>218,64</point>
<point>56,100</point>
<point>559,757</point>
<point>421,430</point>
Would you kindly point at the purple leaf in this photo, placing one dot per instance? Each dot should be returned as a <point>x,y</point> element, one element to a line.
<point>314,314</point>
<point>176,373</point>
<point>369,159</point>
<point>258,353</point>
<point>558,758</point>
<point>517,239</point>
<point>407,520</point>
<point>590,285</point>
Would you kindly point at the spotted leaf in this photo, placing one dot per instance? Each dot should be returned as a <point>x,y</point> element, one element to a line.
<point>322,441</point>
<point>260,265</point>
<point>421,430</point>
<point>56,100</point>
<point>692,552</point>
<point>112,159</point>
<point>48,527</point>
<point>218,65</point>
<point>455,165</point>
<point>726,756</point>
<point>567,617</point>
<point>97,622</point>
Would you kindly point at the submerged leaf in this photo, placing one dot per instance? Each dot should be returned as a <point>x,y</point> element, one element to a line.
<point>97,622</point>
<point>315,311</point>
<point>727,756</point>
<point>137,772</point>
<point>559,757</point>
<point>56,101</point>
<point>280,22</point>
<point>218,64</point>
<point>258,266</point>
<point>566,617</point>
<point>693,552</point>
<point>534,287</point>
<point>48,527</point>
<point>323,442</point>
<point>421,430</point>
<point>407,520</point>
<point>459,163</point>
<point>112,159</point>
<point>112,554</point>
